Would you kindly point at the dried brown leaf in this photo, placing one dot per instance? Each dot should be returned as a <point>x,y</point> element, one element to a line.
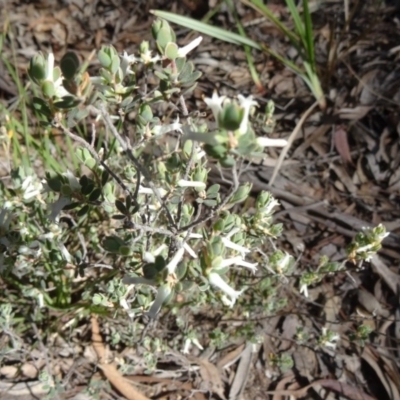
<point>110,371</point>
<point>339,387</point>
<point>211,377</point>
<point>242,373</point>
<point>373,359</point>
<point>340,139</point>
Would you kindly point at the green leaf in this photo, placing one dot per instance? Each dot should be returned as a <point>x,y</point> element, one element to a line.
<point>160,263</point>
<point>72,206</point>
<point>146,112</point>
<point>104,177</point>
<point>161,75</point>
<point>87,185</point>
<point>69,65</point>
<point>48,89</point>
<point>125,251</point>
<point>67,102</point>
<point>149,271</point>
<point>180,64</point>
<point>189,79</point>
<point>75,116</point>
<point>218,151</point>
<point>55,183</point>
<point>118,217</point>
<point>213,189</point>
<point>37,68</point>
<point>104,58</point>
<point>164,37</point>
<point>210,203</point>
<point>56,73</point>
<point>94,196</point>
<point>115,63</point>
<point>66,190</point>
<point>42,107</point>
<point>106,75</point>
<point>84,210</point>
<point>227,162</point>
<point>113,244</point>
<point>188,89</point>
<point>241,194</point>
<point>230,117</point>
<point>121,207</point>
<point>181,270</point>
<point>171,51</point>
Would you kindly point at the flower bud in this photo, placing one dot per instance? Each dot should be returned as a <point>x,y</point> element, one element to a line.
<point>200,174</point>
<point>230,117</point>
<point>37,68</point>
<point>241,194</point>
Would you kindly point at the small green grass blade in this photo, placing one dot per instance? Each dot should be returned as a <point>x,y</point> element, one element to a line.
<point>201,27</point>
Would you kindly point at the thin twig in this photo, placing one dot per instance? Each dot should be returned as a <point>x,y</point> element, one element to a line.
<point>189,166</point>
<point>94,154</point>
<point>185,111</point>
<point>151,229</point>
<point>126,146</point>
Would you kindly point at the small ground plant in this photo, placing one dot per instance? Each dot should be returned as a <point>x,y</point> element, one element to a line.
<point>138,226</point>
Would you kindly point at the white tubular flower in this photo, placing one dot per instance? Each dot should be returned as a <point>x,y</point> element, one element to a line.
<point>148,257</point>
<point>185,183</point>
<point>159,249</point>
<point>145,190</point>
<point>304,289</point>
<point>58,84</point>
<point>147,58</point>
<point>284,263</point>
<point>238,261</point>
<point>124,304</point>
<point>175,260</point>
<point>161,129</point>
<point>365,249</point>
<point>246,103</point>
<point>72,181</point>
<point>126,62</point>
<point>189,250</point>
<point>216,280</point>
<point>5,219</point>
<point>50,67</point>
<point>31,188</point>
<point>234,246</point>
<point>215,103</point>
<point>188,344</point>
<point>66,254</point>
<point>195,236</point>
<point>267,142</point>
<point>270,206</point>
<point>151,257</point>
<point>163,292</point>
<point>329,338</point>
<point>183,51</point>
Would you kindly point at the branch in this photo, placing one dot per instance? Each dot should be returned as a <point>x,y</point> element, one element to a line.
<point>140,168</point>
